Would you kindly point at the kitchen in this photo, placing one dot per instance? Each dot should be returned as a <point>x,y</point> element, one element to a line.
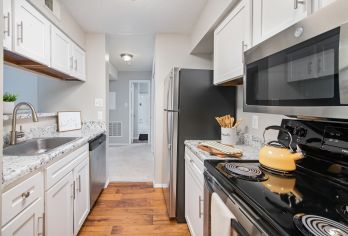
<point>247,125</point>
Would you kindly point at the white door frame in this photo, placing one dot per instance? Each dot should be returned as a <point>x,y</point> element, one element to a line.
<point>131,108</point>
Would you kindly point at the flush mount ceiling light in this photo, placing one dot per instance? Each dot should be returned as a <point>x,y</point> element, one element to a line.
<point>127,58</point>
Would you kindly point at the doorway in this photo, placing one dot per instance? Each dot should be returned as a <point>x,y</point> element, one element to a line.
<point>139,111</point>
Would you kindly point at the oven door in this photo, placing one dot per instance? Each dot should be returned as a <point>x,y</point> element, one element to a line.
<point>242,225</point>
<point>302,71</point>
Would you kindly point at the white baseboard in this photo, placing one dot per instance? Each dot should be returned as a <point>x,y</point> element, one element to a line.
<point>160,185</point>
<point>107,183</point>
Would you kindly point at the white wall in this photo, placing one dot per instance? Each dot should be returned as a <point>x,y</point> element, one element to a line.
<point>66,22</point>
<point>170,50</point>
<point>80,96</point>
<point>202,36</point>
<point>121,87</point>
<point>22,83</point>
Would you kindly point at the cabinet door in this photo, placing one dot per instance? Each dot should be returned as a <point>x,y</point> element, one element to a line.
<point>61,55</point>
<point>7,11</point>
<point>60,207</point>
<point>230,40</point>
<point>79,65</point>
<point>31,33</point>
<point>81,203</point>
<point>28,223</point>
<point>272,16</point>
<point>193,201</point>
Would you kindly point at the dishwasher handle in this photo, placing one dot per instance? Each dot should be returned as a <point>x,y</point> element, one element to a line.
<point>95,143</point>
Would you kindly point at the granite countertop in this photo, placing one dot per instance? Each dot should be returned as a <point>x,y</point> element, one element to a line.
<point>16,167</point>
<point>249,152</point>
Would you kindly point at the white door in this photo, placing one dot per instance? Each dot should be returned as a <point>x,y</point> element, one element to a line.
<point>31,33</point>
<point>272,16</point>
<point>79,63</point>
<point>7,11</point>
<point>318,4</point>
<point>193,202</point>
<point>61,56</point>
<point>81,203</point>
<point>29,222</point>
<point>231,38</point>
<point>60,208</point>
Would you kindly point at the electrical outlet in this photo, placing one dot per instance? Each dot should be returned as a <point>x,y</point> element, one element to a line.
<point>255,122</point>
<point>98,102</point>
<point>100,115</point>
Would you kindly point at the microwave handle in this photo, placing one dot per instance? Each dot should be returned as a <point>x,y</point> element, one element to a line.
<point>238,228</point>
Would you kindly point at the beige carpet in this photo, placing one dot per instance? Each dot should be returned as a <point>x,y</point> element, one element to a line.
<point>131,163</point>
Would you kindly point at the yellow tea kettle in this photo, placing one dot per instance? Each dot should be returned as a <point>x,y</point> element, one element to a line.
<point>277,156</point>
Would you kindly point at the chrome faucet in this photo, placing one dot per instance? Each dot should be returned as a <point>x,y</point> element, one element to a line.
<point>15,134</point>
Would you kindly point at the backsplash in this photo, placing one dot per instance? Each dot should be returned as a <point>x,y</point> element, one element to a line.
<point>51,130</point>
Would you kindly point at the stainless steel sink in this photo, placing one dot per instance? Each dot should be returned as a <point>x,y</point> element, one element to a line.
<point>36,146</point>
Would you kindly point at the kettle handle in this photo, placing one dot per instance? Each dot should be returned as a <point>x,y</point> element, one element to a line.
<point>279,128</point>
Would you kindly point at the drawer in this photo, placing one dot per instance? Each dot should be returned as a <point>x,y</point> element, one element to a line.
<point>59,169</point>
<point>195,159</point>
<point>195,170</point>
<point>21,196</point>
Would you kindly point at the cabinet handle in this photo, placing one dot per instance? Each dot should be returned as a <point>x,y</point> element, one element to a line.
<point>79,179</point>
<point>76,64</point>
<point>20,32</point>
<point>43,225</point>
<point>200,213</point>
<point>7,29</point>
<point>25,195</point>
<point>298,2</point>
<point>73,190</point>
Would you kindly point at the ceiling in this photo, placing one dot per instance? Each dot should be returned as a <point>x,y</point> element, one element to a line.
<point>132,24</point>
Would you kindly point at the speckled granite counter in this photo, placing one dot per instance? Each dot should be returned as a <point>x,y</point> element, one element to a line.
<point>16,167</point>
<point>249,152</point>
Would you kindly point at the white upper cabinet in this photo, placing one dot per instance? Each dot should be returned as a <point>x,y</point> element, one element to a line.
<point>61,56</point>
<point>31,32</point>
<point>7,12</point>
<point>79,63</point>
<point>81,204</point>
<point>231,38</point>
<point>272,16</point>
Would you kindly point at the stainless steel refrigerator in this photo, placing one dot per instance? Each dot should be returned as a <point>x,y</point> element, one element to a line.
<point>191,104</point>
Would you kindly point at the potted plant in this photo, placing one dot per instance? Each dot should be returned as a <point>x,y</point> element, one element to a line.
<point>9,102</point>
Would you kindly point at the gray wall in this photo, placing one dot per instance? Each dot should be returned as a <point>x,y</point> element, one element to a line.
<point>121,87</point>
<point>22,83</point>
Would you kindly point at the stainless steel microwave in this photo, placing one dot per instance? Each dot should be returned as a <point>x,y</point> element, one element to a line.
<point>303,70</point>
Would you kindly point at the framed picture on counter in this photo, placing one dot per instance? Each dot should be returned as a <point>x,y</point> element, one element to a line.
<point>69,120</point>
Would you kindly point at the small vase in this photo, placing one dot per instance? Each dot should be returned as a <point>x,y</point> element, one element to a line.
<point>8,107</point>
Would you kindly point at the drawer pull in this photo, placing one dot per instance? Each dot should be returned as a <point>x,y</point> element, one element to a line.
<point>25,195</point>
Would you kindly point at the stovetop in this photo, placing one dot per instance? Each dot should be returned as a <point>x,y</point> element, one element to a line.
<point>278,199</point>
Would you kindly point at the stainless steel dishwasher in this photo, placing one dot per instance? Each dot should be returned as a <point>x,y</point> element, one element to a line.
<point>97,167</point>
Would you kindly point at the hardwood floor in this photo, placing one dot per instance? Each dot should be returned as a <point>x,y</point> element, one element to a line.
<point>135,209</point>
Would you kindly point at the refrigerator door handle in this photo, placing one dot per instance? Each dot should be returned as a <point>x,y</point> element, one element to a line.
<point>167,110</point>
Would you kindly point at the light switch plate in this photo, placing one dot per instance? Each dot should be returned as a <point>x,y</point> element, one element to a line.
<point>98,102</point>
<point>255,122</point>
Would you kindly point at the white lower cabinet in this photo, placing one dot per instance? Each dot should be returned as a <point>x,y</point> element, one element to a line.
<point>194,204</point>
<point>30,222</point>
<point>60,207</point>
<point>67,201</point>
<point>82,199</point>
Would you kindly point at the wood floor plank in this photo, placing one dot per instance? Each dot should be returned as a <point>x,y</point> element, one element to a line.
<point>131,209</point>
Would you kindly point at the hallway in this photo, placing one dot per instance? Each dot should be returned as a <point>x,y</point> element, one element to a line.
<point>131,209</point>
<point>131,163</point>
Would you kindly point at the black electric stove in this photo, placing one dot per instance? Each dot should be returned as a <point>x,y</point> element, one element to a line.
<point>313,200</point>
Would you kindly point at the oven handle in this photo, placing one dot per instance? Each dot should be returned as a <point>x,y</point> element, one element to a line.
<point>238,228</point>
